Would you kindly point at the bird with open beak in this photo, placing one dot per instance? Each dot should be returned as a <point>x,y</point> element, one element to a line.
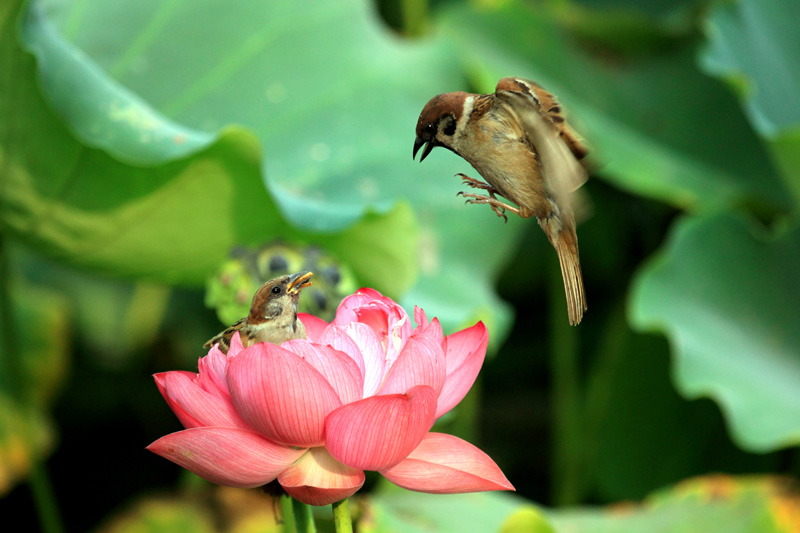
<point>273,314</point>
<point>519,142</point>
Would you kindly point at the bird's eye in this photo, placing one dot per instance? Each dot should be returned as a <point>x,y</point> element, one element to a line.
<point>430,127</point>
<point>276,290</point>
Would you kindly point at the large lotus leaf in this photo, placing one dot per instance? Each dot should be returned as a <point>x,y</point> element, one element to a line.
<point>725,292</point>
<point>657,126</point>
<point>395,509</point>
<point>380,249</point>
<point>755,46</point>
<point>708,504</point>
<point>713,504</point>
<point>634,415</point>
<point>331,96</point>
<point>173,220</point>
<point>528,519</point>
<point>110,317</point>
<point>99,112</point>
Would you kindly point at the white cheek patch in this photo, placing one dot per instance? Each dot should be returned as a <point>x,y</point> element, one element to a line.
<point>466,111</point>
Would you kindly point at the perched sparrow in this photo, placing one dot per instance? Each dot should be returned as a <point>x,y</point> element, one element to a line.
<point>519,142</point>
<point>273,314</point>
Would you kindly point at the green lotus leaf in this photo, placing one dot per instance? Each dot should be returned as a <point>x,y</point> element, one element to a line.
<point>712,503</point>
<point>725,292</point>
<point>329,120</point>
<point>752,46</point>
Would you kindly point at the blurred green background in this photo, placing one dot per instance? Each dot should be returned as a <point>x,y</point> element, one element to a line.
<point>159,158</point>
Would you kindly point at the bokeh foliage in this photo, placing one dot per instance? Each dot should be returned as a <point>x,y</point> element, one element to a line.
<point>140,141</point>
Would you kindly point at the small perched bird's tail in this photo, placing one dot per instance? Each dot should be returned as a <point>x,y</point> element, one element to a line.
<point>565,241</point>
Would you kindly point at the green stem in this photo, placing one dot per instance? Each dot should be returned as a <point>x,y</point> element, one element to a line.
<point>303,519</point>
<point>44,496</point>
<point>341,517</point>
<point>607,362</point>
<point>287,514</point>
<point>566,399</point>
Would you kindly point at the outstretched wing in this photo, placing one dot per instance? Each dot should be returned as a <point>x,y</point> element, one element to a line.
<point>551,108</point>
<point>557,145</point>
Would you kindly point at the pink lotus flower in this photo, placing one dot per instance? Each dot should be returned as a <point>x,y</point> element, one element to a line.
<point>360,393</point>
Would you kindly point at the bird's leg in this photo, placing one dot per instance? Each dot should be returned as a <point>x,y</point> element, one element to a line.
<point>497,206</point>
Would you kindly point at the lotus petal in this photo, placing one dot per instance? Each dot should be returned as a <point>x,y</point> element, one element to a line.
<point>464,357</point>
<point>421,362</point>
<point>182,390</point>
<point>314,326</point>
<point>280,395</point>
<point>380,431</point>
<point>226,456</point>
<point>319,479</point>
<point>339,369</point>
<point>444,464</point>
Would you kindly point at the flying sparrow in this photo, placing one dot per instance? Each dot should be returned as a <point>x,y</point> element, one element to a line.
<point>273,314</point>
<point>518,140</point>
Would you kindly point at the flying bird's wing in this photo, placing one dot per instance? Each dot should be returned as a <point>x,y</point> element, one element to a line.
<point>559,152</point>
<point>558,147</point>
<point>550,106</point>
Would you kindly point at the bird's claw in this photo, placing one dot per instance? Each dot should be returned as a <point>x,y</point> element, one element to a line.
<point>478,199</point>
<point>475,184</point>
<point>497,206</point>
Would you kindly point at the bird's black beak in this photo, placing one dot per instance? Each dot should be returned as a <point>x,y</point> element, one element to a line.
<point>418,142</point>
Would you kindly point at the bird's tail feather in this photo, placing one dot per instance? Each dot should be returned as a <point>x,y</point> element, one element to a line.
<point>566,245</point>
